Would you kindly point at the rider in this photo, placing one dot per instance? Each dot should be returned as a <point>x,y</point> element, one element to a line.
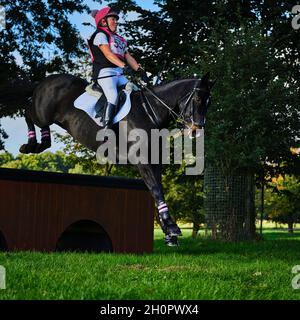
<point>109,56</point>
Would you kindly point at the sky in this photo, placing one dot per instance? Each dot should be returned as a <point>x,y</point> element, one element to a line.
<point>16,128</point>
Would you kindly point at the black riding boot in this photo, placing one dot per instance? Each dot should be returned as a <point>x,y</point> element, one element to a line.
<point>109,115</point>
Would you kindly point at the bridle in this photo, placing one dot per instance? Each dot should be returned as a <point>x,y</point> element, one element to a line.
<point>189,96</point>
<point>177,117</point>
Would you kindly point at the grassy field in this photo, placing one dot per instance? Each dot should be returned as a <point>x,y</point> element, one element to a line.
<point>198,269</point>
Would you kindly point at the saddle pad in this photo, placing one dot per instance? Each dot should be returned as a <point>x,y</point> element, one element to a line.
<point>87,102</point>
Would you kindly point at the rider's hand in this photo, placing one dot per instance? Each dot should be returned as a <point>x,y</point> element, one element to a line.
<point>143,75</point>
<point>128,70</point>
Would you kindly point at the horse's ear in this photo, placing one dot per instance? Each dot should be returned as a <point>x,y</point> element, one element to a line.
<point>211,83</point>
<point>205,78</point>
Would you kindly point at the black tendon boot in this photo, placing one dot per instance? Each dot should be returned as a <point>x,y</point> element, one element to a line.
<point>30,146</point>
<point>169,227</point>
<point>109,115</point>
<point>45,141</point>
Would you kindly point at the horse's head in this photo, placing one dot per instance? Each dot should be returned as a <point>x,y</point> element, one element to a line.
<point>193,106</point>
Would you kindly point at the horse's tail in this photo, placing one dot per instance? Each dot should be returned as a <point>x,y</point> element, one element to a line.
<point>15,96</point>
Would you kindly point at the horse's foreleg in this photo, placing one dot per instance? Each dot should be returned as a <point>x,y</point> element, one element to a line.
<point>151,175</point>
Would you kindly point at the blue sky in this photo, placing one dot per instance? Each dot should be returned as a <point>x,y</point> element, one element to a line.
<point>16,128</point>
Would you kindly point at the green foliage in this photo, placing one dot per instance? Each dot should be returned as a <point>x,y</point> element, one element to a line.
<point>3,136</point>
<point>254,116</point>
<point>35,29</point>
<point>5,157</point>
<point>47,161</point>
<point>282,204</point>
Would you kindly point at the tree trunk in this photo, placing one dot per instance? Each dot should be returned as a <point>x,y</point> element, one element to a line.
<point>291,225</point>
<point>196,228</point>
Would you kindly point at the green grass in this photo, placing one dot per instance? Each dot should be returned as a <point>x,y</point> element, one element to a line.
<point>198,269</point>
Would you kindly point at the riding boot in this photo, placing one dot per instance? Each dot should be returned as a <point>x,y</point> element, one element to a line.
<point>109,115</point>
<point>98,110</point>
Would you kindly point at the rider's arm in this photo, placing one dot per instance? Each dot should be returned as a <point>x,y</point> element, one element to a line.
<point>131,61</point>
<point>109,55</point>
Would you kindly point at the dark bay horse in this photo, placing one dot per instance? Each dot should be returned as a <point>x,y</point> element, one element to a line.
<point>52,102</point>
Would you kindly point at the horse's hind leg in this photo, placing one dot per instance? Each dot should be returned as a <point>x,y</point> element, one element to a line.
<point>45,140</point>
<point>31,144</point>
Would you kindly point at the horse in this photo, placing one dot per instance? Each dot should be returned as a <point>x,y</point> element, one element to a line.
<point>52,101</point>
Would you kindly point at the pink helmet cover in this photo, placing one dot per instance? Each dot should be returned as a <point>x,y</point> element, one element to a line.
<point>102,13</point>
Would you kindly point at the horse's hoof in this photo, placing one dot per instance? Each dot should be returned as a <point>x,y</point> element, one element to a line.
<point>40,147</point>
<point>171,241</point>
<point>174,231</point>
<point>28,148</point>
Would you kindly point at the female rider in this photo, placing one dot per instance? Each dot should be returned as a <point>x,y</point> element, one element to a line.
<point>109,56</point>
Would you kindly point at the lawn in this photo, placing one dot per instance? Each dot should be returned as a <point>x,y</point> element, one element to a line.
<point>198,269</point>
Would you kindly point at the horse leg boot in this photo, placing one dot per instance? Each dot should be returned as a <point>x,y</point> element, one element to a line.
<point>45,140</point>
<point>109,115</point>
<point>170,240</point>
<point>31,144</point>
<point>169,227</point>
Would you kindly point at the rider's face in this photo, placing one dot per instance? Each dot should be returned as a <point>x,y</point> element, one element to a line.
<point>112,23</point>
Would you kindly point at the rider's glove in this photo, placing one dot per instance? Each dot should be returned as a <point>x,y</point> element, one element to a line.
<point>128,70</point>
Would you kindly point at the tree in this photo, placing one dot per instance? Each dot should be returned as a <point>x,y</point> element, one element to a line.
<point>47,161</point>
<point>254,118</point>
<point>34,29</point>
<point>283,203</point>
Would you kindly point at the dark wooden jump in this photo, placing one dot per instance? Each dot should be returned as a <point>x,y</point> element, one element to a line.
<point>45,211</point>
